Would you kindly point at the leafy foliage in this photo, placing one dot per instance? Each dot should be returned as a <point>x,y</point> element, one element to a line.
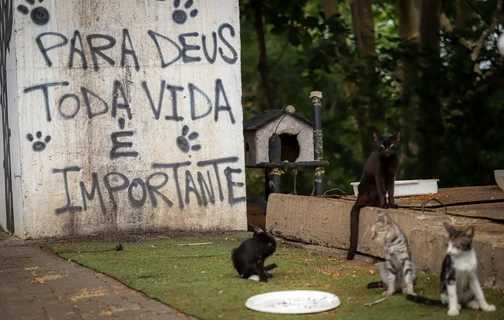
<point>449,114</point>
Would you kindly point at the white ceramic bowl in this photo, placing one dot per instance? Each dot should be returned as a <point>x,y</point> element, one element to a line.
<point>499,178</point>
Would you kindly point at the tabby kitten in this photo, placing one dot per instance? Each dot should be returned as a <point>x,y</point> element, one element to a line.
<point>459,279</point>
<point>398,273</point>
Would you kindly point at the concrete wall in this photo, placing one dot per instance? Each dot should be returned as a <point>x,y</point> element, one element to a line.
<point>326,222</point>
<point>129,116</point>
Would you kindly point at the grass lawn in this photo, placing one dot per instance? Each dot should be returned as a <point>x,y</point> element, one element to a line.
<point>200,280</point>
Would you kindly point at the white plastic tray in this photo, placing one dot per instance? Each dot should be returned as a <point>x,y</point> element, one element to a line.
<point>293,302</point>
<point>404,188</point>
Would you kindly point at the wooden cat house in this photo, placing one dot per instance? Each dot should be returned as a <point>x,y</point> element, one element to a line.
<point>295,133</point>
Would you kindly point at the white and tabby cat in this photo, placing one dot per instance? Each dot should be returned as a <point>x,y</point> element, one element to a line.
<point>398,273</point>
<point>460,286</point>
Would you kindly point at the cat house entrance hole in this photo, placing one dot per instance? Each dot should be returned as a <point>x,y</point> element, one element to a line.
<point>290,147</point>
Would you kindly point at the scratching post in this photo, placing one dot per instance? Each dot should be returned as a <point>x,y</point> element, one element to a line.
<point>275,152</point>
<point>316,98</point>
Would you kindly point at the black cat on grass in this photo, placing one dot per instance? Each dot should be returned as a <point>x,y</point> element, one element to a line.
<point>248,259</point>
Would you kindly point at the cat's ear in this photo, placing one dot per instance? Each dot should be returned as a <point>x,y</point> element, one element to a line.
<point>376,136</point>
<point>469,232</point>
<point>398,136</point>
<point>451,230</point>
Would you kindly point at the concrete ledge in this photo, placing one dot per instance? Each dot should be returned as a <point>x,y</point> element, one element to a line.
<point>325,222</point>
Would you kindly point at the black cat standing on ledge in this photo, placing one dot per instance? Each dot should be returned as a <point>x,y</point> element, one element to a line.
<point>377,180</point>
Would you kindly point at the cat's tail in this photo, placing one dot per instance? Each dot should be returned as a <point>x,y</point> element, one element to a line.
<point>354,231</point>
<point>270,267</point>
<point>423,300</point>
<point>374,285</point>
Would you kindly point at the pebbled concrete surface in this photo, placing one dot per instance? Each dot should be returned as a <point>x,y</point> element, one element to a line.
<point>38,285</point>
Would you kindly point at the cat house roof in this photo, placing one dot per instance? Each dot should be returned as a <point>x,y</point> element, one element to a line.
<point>266,117</point>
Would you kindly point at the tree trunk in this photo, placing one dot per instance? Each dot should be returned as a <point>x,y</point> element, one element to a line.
<point>363,27</point>
<point>263,61</point>
<point>409,20</point>
<point>409,33</point>
<point>429,25</point>
<point>430,116</point>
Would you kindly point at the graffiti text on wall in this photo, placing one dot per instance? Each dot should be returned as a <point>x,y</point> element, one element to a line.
<point>102,49</point>
<point>212,177</point>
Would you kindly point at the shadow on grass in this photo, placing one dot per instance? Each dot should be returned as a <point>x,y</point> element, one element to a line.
<point>200,280</point>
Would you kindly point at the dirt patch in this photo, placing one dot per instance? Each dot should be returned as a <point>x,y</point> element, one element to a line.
<point>132,236</point>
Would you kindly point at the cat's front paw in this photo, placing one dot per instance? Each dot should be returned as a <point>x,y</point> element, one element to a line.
<point>453,312</point>
<point>393,206</point>
<point>387,293</point>
<point>410,292</point>
<point>384,206</point>
<point>489,308</point>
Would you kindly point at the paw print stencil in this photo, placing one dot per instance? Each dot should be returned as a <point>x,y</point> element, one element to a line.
<point>38,145</point>
<point>39,15</point>
<point>184,142</point>
<point>180,16</point>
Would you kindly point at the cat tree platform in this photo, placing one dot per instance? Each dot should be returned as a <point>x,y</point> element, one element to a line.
<point>325,221</point>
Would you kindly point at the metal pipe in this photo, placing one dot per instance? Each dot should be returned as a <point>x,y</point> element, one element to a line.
<point>318,148</point>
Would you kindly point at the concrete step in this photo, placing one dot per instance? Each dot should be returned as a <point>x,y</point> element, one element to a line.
<point>326,222</point>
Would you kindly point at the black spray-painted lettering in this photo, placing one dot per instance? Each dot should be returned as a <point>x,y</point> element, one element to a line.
<point>215,163</point>
<point>95,189</point>
<point>233,59</point>
<point>191,187</point>
<point>173,92</point>
<point>97,50</point>
<point>205,51</point>
<point>155,36</point>
<point>137,184</point>
<point>70,115</point>
<point>44,50</point>
<point>206,189</point>
<point>188,47</point>
<point>68,206</point>
<point>200,102</point>
<point>219,88</point>
<point>130,51</point>
<point>45,91</point>
<point>156,111</point>
<point>74,50</point>
<point>174,166</point>
<point>86,93</point>
<point>119,90</point>
<point>192,89</point>
<point>108,180</point>
<point>117,145</point>
<point>154,189</point>
<point>231,184</point>
<point>139,190</point>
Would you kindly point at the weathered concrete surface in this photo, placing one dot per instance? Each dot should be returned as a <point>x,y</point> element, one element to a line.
<point>125,115</point>
<point>38,285</point>
<point>326,221</point>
